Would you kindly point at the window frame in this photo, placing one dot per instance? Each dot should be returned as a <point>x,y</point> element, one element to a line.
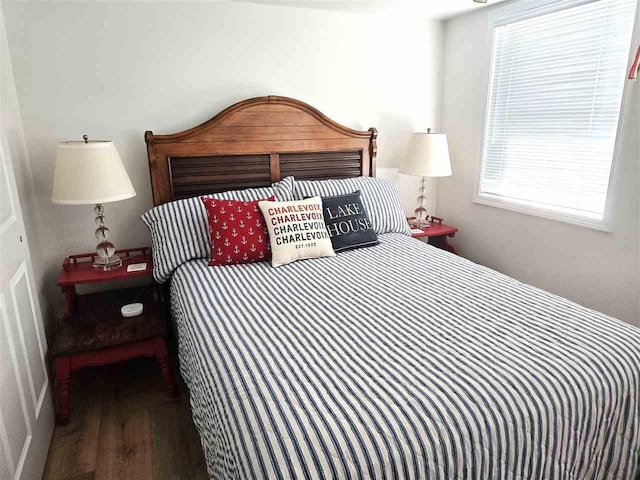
<point>487,199</point>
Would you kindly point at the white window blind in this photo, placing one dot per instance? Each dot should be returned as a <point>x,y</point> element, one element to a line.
<point>557,79</point>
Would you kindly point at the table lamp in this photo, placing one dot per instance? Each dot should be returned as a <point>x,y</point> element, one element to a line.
<point>427,156</point>
<point>90,172</point>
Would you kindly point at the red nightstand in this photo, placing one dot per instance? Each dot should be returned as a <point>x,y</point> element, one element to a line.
<point>437,234</point>
<point>93,331</point>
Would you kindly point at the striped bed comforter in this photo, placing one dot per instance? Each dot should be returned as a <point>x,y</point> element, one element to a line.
<point>402,361</point>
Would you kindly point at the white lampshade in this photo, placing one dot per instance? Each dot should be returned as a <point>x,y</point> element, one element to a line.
<point>427,156</point>
<point>90,173</point>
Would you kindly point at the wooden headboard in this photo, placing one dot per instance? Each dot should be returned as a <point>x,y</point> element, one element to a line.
<point>254,143</point>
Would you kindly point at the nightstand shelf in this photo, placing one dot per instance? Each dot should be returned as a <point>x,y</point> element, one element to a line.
<point>93,331</point>
<point>437,234</point>
<point>98,322</point>
<point>78,270</point>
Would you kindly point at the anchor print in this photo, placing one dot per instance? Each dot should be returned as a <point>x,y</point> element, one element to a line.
<point>237,230</point>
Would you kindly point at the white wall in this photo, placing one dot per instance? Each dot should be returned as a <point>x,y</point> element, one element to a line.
<point>599,270</point>
<point>114,70</point>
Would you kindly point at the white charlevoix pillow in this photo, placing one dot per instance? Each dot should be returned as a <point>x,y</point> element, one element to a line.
<point>379,196</point>
<point>296,230</point>
<point>180,229</point>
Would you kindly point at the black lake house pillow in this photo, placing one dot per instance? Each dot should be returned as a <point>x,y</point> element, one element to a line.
<point>347,222</point>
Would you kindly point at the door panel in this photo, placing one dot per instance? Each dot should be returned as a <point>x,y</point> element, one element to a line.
<point>26,406</point>
<point>16,425</point>
<point>24,306</point>
<point>6,463</point>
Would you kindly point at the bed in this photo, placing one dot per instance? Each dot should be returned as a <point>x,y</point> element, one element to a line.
<point>395,361</point>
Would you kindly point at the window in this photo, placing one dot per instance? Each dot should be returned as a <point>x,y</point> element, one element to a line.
<point>555,94</point>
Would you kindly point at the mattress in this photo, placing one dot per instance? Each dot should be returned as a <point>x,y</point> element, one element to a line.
<point>402,361</point>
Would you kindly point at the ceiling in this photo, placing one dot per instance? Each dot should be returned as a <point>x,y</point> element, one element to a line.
<point>435,9</point>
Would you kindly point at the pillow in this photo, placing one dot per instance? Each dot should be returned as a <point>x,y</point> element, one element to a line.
<point>347,222</point>
<point>380,198</point>
<point>180,230</point>
<point>238,232</point>
<point>296,230</point>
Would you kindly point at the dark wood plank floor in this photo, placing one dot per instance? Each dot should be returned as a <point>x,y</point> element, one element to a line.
<point>124,426</point>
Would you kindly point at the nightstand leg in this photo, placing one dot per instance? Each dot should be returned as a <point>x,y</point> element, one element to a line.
<point>70,297</point>
<point>442,243</point>
<point>160,348</point>
<point>62,388</point>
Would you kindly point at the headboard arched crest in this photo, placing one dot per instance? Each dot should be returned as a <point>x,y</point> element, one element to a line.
<point>254,143</point>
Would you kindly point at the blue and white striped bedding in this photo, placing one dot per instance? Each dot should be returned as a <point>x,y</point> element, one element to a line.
<point>402,361</point>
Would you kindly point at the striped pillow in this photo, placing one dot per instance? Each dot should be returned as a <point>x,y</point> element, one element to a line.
<point>380,197</point>
<point>180,230</point>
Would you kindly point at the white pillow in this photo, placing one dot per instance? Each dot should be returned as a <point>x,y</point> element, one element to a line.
<point>296,230</point>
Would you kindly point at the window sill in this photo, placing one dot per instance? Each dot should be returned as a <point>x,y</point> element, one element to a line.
<point>492,201</point>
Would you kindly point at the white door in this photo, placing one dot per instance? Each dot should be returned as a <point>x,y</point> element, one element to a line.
<point>26,407</point>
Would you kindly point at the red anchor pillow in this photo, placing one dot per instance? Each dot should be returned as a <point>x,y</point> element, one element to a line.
<point>238,231</point>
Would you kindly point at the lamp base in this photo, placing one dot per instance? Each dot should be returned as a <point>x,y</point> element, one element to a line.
<point>106,259</point>
<point>419,223</point>
<point>107,263</point>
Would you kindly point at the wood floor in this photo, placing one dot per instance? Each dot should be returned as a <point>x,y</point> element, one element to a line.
<point>124,426</point>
